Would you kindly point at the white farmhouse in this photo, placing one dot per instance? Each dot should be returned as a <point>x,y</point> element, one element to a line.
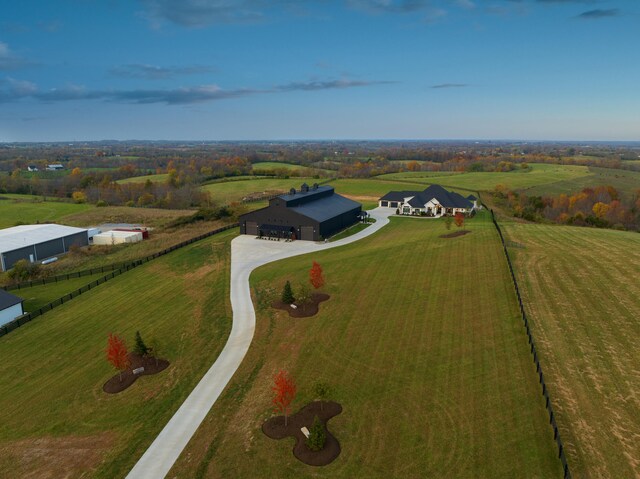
<point>434,202</point>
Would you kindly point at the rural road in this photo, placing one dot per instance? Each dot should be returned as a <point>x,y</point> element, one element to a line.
<point>247,253</point>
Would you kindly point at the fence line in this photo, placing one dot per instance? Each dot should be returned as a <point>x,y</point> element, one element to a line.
<point>25,318</point>
<point>62,277</point>
<point>534,353</point>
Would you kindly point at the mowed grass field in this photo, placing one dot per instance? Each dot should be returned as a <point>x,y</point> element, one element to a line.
<point>422,345</point>
<point>581,290</point>
<point>536,174</point>
<point>31,209</point>
<point>160,178</point>
<point>56,420</point>
<point>625,181</point>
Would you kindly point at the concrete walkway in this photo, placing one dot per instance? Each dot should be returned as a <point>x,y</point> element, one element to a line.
<point>247,253</point>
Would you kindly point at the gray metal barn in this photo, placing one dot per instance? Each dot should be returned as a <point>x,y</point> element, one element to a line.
<point>313,213</point>
<point>38,242</point>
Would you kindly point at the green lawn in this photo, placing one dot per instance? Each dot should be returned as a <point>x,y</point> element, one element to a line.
<point>56,421</point>
<point>537,174</point>
<point>581,292</point>
<point>38,296</point>
<point>31,209</point>
<point>161,178</point>
<point>230,191</point>
<point>422,345</point>
<point>625,181</point>
<point>269,165</point>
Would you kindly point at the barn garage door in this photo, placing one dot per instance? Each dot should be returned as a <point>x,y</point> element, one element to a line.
<point>252,228</point>
<point>307,233</point>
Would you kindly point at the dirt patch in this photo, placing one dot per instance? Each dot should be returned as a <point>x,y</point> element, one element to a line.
<point>455,234</point>
<point>300,311</point>
<point>151,365</point>
<point>325,410</point>
<point>54,457</point>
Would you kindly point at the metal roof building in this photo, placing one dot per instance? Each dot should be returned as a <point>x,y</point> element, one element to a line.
<point>309,214</point>
<point>10,307</point>
<point>38,242</point>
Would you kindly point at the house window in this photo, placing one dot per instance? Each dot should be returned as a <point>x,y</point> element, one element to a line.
<point>406,210</point>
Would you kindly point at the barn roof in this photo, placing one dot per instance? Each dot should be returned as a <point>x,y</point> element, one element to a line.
<point>326,207</point>
<point>7,300</point>
<point>26,235</point>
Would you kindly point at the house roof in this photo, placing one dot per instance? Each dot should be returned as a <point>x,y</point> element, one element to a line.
<point>7,300</point>
<point>326,207</point>
<point>25,235</point>
<point>471,198</point>
<point>447,199</point>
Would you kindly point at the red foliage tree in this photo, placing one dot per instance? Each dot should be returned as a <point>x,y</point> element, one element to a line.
<point>285,389</point>
<point>315,276</point>
<point>459,219</point>
<point>117,353</point>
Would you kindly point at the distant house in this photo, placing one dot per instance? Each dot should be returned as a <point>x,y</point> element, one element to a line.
<point>10,307</point>
<point>32,168</point>
<point>434,201</point>
<point>313,213</point>
<point>55,167</point>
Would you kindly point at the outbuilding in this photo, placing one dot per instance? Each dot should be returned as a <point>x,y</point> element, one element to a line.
<point>37,242</point>
<point>10,307</point>
<point>117,237</point>
<point>312,213</point>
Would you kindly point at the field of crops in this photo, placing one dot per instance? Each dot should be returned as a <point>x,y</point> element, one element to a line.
<point>56,420</point>
<point>422,345</point>
<point>580,287</point>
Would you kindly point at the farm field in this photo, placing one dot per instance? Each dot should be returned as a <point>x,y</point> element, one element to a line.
<point>161,178</point>
<point>31,209</point>
<point>230,191</point>
<point>537,174</point>
<point>581,291</point>
<point>625,181</point>
<point>38,296</point>
<point>432,369</point>
<point>56,420</point>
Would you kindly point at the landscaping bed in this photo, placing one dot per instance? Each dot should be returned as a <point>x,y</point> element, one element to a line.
<point>303,311</point>
<point>455,234</point>
<point>151,365</point>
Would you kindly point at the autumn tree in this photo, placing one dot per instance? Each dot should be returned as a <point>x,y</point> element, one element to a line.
<point>117,353</point>
<point>459,219</point>
<point>285,392</point>
<point>287,294</point>
<point>315,276</point>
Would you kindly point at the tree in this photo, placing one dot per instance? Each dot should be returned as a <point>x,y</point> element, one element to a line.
<point>287,294</point>
<point>317,436</point>
<point>304,296</point>
<point>155,347</point>
<point>117,353</point>
<point>459,219</point>
<point>140,348</point>
<point>315,276</point>
<point>23,270</point>
<point>322,391</point>
<point>447,222</point>
<point>285,389</point>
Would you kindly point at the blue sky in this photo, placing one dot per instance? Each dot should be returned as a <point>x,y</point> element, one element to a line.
<point>323,69</point>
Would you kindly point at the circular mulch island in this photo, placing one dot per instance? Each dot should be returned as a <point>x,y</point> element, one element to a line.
<point>151,365</point>
<point>455,234</point>
<point>306,311</point>
<point>325,410</point>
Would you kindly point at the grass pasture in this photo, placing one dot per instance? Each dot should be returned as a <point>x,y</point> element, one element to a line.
<point>159,178</point>
<point>230,191</point>
<point>31,209</point>
<point>580,288</point>
<point>422,345</point>
<point>625,181</point>
<point>56,420</point>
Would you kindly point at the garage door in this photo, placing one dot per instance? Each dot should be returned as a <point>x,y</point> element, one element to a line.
<point>307,233</point>
<point>252,228</point>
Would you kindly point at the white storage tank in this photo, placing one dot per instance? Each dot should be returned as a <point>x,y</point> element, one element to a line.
<point>117,237</point>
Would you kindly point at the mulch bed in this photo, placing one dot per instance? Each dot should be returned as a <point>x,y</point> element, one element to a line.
<point>306,311</point>
<point>455,234</point>
<point>115,385</point>
<point>325,410</point>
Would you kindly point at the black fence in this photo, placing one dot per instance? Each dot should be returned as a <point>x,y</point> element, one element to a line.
<point>534,353</point>
<point>25,318</point>
<point>63,277</point>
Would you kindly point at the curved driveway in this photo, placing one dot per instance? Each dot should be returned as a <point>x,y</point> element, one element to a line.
<point>247,253</point>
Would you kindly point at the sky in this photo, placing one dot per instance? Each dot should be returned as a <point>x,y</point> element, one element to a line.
<point>73,70</point>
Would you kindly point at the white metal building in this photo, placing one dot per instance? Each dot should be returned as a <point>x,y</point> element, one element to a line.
<point>37,242</point>
<point>10,307</point>
<point>117,237</point>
